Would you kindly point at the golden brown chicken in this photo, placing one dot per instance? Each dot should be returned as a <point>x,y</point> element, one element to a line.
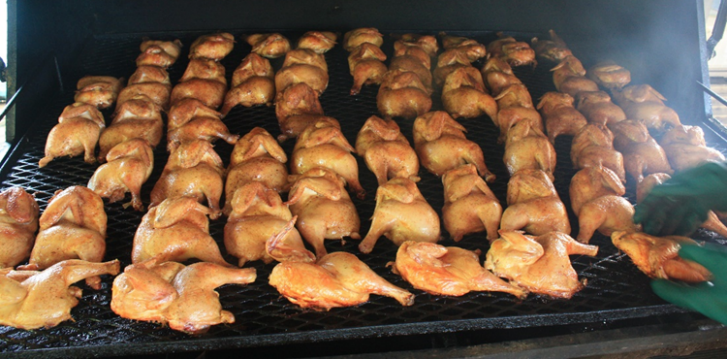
<point>463,95</point>
<point>401,214</point>
<point>257,217</point>
<point>203,80</point>
<point>193,169</point>
<point>322,144</point>
<point>170,293</point>
<point>252,84</point>
<point>33,299</point>
<point>441,270</point>
<point>644,103</point>
<point>128,166</point>
<point>469,204</point>
<point>213,46</point>
<point>18,223</point>
<point>593,182</point>
<point>526,147</point>
<point>441,144</point>
<point>658,257</point>
<point>200,123</point>
<point>515,105</point>
<point>644,187</point>
<point>561,118</point>
<point>472,48</point>
<point>498,75</point>
<point>427,43</point>
<point>686,148</point>
<point>538,264</point>
<point>318,41</point>
<point>609,75</point>
<point>593,146</point>
<point>99,91</point>
<point>271,46</point>
<point>159,53</point>
<point>176,230</point>
<point>357,37</point>
<point>305,66</point>
<point>554,49</point>
<point>323,207</point>
<point>138,117</point>
<point>386,151</point>
<point>337,280</point>
<point>150,81</point>
<point>534,205</point>
<point>296,108</point>
<point>403,94</point>
<point>365,63</point>
<point>605,214</point>
<point>413,64</point>
<point>569,77</point>
<point>77,132</point>
<point>448,62</point>
<point>514,52</point>
<point>597,107</point>
<point>642,155</point>
<point>256,158</point>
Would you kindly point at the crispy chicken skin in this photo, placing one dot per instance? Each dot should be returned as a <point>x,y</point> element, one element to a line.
<point>569,77</point>
<point>357,37</point>
<point>337,280</point>
<point>322,144</point>
<point>137,117</point>
<point>644,103</point>
<point>193,169</point>
<point>469,204</point>
<point>605,214</point>
<point>427,43</point>
<point>686,148</point>
<point>409,63</point>
<point>323,207</point>
<point>597,107</point>
<point>296,108</point>
<point>159,53</point>
<point>609,75</point>
<point>644,187</point>
<point>252,65</point>
<point>212,46</point>
<point>473,49</point>
<point>258,216</point>
<point>658,257</point>
<point>203,80</point>
<point>453,271</point>
<point>401,214</point>
<point>642,155</point>
<point>591,183</point>
<point>403,94</point>
<point>99,91</point>
<point>18,223</point>
<point>593,146</point>
<point>77,132</point>
<point>554,49</point>
<point>304,66</point>
<point>176,230</point>
<point>498,75</point>
<point>538,264</point>
<point>441,145</point>
<point>190,119</point>
<point>463,95</point>
<point>271,46</point>
<point>150,81</point>
<point>515,105</point>
<point>252,84</point>
<point>318,41</point>
<point>365,63</point>
<point>33,299</point>
<point>561,118</point>
<point>128,166</point>
<point>386,151</point>
<point>256,158</point>
<point>514,52</point>
<point>183,297</point>
<point>526,147</point>
<point>534,205</point>
<point>448,62</point>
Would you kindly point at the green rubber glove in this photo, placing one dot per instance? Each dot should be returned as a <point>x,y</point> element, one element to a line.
<point>680,205</point>
<point>708,298</point>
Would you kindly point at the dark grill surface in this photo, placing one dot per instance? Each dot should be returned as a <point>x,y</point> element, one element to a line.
<point>615,288</point>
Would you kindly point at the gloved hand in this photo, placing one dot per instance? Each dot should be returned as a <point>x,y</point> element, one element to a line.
<point>680,205</point>
<point>708,298</point>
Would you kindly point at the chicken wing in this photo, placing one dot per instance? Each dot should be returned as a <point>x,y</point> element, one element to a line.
<point>33,300</point>
<point>569,77</point>
<point>516,53</point>
<point>598,109</point>
<point>271,46</point>
<point>213,46</point>
<point>642,155</point>
<point>318,41</point>
<point>138,117</point>
<point>99,91</point>
<point>609,75</point>
<point>365,63</point>
<point>498,75</point>
<point>463,95</point>
<point>78,130</point>
<point>252,84</point>
<point>441,144</point>
<point>591,183</point>
<point>534,205</point>
<point>337,280</point>
<point>515,105</point>
<point>526,147</point>
<point>554,49</point>
<point>203,80</point>
<point>685,148</point>
<point>593,146</point>
<point>18,223</point>
<point>324,209</point>
<point>561,118</point>
<point>538,264</point>
<point>386,151</point>
<point>453,271</point>
<point>159,53</point>
<point>658,257</point>
<point>304,66</point>
<point>469,205</point>
<point>403,94</point>
<point>644,103</point>
<point>129,165</point>
<point>176,230</point>
<point>357,37</point>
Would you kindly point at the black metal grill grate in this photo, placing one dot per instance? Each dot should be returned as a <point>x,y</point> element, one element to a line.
<point>615,289</point>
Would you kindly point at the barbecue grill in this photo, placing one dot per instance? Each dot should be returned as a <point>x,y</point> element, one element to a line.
<point>56,43</point>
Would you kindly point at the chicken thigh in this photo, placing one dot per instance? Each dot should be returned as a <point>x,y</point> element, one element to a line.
<point>526,147</point>
<point>386,151</point>
<point>593,146</point>
<point>591,183</point>
<point>561,118</point>
<point>203,80</point>
<point>138,117</point>
<point>365,63</point>
<point>403,94</point>
<point>304,66</point>
<point>534,205</point>
<point>469,205</point>
<point>515,105</point>
<point>252,84</point>
<point>498,75</point>
<point>18,223</point>
<point>463,95</point>
<point>77,132</point>
<point>642,155</point>
<point>128,166</point>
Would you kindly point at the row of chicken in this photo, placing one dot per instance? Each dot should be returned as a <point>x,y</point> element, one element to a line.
<point>262,227</point>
